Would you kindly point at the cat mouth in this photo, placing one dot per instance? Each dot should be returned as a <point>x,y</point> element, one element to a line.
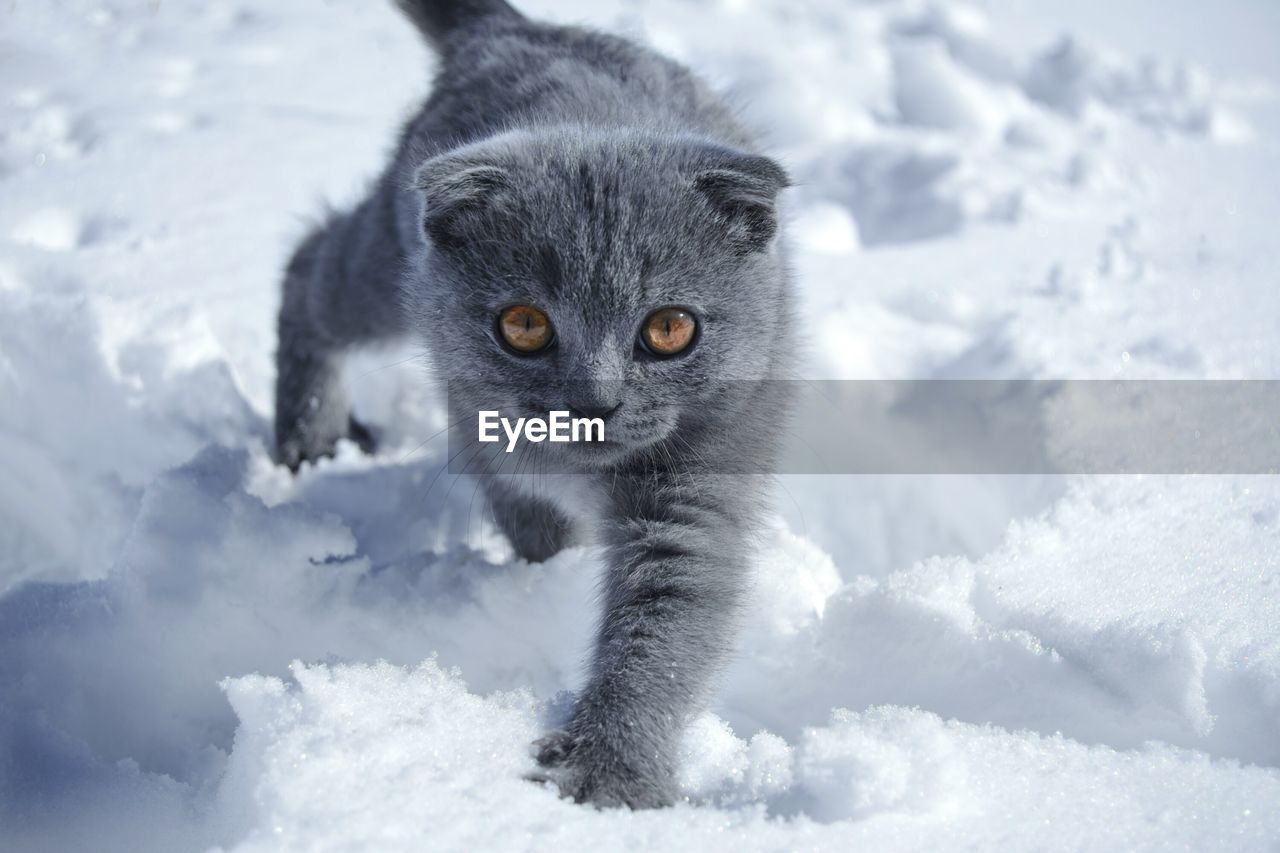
<point>601,454</point>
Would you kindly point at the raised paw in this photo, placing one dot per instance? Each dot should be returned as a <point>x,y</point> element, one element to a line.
<point>308,445</point>
<point>362,435</point>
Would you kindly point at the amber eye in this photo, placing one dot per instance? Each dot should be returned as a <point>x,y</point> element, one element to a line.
<point>525,329</point>
<point>668,331</point>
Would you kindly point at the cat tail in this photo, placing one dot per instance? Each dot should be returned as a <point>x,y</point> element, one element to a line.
<point>437,19</point>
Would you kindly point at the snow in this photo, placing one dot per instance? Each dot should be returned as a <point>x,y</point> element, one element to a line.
<point>198,650</point>
<point>349,745</point>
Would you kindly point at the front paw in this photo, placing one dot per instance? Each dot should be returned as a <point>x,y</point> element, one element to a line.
<point>310,441</point>
<point>606,777</point>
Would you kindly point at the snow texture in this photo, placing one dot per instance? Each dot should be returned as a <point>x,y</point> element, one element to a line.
<point>198,650</point>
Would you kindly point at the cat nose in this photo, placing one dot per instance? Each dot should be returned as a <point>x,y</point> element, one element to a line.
<point>593,409</point>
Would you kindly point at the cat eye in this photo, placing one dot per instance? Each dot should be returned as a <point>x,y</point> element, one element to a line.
<point>525,329</point>
<point>668,331</point>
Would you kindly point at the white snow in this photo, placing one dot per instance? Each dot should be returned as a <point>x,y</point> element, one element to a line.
<point>199,651</point>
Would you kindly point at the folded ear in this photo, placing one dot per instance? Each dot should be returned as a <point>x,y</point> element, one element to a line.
<point>744,189</point>
<point>453,187</point>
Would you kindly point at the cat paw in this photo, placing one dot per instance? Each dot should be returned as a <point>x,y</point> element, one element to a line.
<point>535,529</point>
<point>309,445</point>
<point>603,778</point>
<point>362,435</point>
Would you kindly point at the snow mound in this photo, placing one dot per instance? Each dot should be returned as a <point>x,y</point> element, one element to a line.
<point>936,125</point>
<point>115,681</point>
<point>1071,77</point>
<point>377,756</point>
<point>1116,656</point>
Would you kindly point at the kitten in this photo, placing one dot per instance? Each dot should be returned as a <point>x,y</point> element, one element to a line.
<point>573,222</point>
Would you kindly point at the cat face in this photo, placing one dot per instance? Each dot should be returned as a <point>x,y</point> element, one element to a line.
<point>614,275</point>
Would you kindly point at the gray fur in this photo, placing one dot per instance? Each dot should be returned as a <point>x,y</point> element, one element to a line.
<point>438,21</point>
<point>588,176</point>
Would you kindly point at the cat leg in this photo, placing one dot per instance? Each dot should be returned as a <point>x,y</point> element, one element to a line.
<point>676,575</point>
<point>313,410</point>
<point>535,529</point>
<point>339,292</point>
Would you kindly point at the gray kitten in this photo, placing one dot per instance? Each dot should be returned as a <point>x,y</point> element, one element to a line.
<point>573,222</point>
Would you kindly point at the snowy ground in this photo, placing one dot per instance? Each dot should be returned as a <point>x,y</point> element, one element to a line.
<point>197,650</point>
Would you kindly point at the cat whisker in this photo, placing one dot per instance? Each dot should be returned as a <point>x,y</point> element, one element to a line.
<point>420,354</point>
<point>429,439</point>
